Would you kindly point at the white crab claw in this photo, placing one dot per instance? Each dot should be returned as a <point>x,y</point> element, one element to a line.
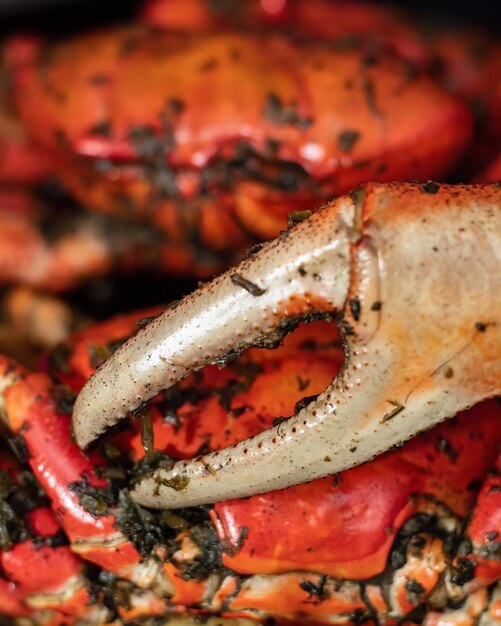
<point>421,323</point>
<point>304,271</point>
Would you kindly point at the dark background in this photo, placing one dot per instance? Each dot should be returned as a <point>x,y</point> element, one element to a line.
<point>60,16</point>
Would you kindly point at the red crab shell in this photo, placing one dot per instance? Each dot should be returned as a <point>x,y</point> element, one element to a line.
<point>38,571</point>
<point>327,88</point>
<point>229,132</point>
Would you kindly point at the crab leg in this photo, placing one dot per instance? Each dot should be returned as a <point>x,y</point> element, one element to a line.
<point>420,296</point>
<point>27,406</point>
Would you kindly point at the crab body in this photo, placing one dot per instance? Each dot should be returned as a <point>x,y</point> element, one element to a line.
<point>289,124</point>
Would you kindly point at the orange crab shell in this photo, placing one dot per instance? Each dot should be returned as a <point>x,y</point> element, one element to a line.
<point>316,81</point>
<point>339,115</point>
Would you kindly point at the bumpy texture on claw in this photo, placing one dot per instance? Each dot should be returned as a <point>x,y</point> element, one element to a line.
<point>421,305</point>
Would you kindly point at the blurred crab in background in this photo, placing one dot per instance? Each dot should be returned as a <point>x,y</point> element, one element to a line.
<point>241,115</point>
<point>238,119</point>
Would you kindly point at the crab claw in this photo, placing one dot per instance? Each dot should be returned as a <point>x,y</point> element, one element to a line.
<point>415,271</point>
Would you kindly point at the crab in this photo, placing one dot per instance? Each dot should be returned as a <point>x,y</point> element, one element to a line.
<point>275,528</point>
<point>411,536</point>
<point>290,123</point>
<point>205,189</point>
<point>404,553</point>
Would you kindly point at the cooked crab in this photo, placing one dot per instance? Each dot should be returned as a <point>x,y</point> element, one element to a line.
<point>385,542</point>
